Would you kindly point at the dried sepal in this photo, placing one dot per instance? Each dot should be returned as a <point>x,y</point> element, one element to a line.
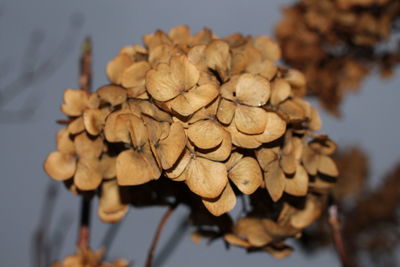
<point>60,166</point>
<point>223,203</point>
<point>75,102</point>
<point>246,175</point>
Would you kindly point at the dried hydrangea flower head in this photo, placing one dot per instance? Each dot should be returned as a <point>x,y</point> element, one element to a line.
<point>338,42</point>
<point>89,258</point>
<point>215,115</point>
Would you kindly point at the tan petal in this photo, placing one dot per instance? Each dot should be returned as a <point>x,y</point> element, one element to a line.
<point>76,126</point>
<point>87,147</point>
<point>253,230</point>
<point>311,211</point>
<point>280,91</point>
<point>234,158</point>
<point>225,112</point>
<point>250,120</point>
<point>196,56</point>
<point>236,241</point>
<point>274,180</point>
<point>265,68</point>
<point>206,178</point>
<point>181,164</point>
<point>107,166</point>
<point>94,120</point>
<point>116,67</point>
<point>203,37</point>
<point>242,140</point>
<point>279,253</point>
<point>111,208</point>
<point>88,175</point>
<point>221,152</point>
<point>205,134</point>
<point>292,111</point>
<point>288,163</point>
<point>112,94</point>
<point>295,78</point>
<point>115,130</point>
<point>298,185</point>
<point>60,166</point>
<point>153,111</point>
<point>222,204</point>
<point>184,73</point>
<point>228,89</point>
<point>133,168</point>
<point>170,148</point>
<point>64,142</point>
<point>198,97</point>
<point>242,58</point>
<point>252,90</point>
<point>269,49</point>
<point>161,54</point>
<point>274,129</point>
<point>160,84</point>
<point>310,160</point>
<point>267,155</point>
<point>315,120</point>
<point>75,102</point>
<point>218,58</point>
<point>327,166</point>
<point>180,34</point>
<point>246,175</point>
<point>134,76</point>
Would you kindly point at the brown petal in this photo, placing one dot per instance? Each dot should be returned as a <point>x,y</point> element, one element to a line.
<point>180,34</point>
<point>94,120</point>
<point>222,204</point>
<point>198,97</point>
<point>133,168</point>
<point>221,152</point>
<point>60,166</point>
<point>152,110</point>
<point>236,241</point>
<point>110,207</point>
<point>116,67</point>
<point>218,58</point>
<point>234,158</point>
<point>134,76</point>
<point>311,211</point>
<point>242,140</point>
<point>175,172</point>
<point>184,73</point>
<point>88,175</point>
<point>327,166</point>
<point>112,94</point>
<point>88,148</point>
<point>295,78</point>
<point>107,166</point>
<point>75,102</point>
<point>76,126</point>
<point>205,134</point>
<point>269,49</point>
<point>253,230</point>
<point>274,180</point>
<point>170,148</point>
<point>250,120</point>
<point>267,155</point>
<point>298,185</point>
<point>246,175</point>
<point>265,68</point>
<point>293,111</point>
<point>226,110</point>
<point>64,142</point>
<point>252,90</point>
<point>280,91</point>
<point>274,129</point>
<point>288,163</point>
<point>315,120</point>
<point>310,160</point>
<point>203,37</point>
<point>160,84</point>
<point>206,178</point>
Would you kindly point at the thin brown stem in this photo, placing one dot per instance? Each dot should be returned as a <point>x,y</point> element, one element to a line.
<point>164,219</point>
<point>85,77</point>
<point>337,237</point>
<point>84,225</point>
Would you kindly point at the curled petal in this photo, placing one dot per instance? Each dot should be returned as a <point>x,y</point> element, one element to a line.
<point>88,175</point>
<point>250,120</point>
<point>298,185</point>
<point>252,90</point>
<point>222,204</point>
<point>170,148</point>
<point>246,175</point>
<point>205,134</point>
<point>60,166</point>
<point>225,111</point>
<point>274,180</point>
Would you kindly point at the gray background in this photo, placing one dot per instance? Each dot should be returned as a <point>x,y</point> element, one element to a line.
<point>370,119</point>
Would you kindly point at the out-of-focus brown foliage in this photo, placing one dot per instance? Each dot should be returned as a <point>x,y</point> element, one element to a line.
<point>336,43</point>
<point>370,216</point>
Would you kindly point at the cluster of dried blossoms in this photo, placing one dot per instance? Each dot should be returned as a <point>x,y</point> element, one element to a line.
<point>89,258</point>
<point>335,43</point>
<point>216,115</point>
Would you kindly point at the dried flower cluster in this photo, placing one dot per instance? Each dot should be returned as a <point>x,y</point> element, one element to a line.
<point>214,114</point>
<point>335,43</point>
<point>89,258</point>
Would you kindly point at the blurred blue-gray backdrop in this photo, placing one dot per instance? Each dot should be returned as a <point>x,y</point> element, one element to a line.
<point>370,117</point>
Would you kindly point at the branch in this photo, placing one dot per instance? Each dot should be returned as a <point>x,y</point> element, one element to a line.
<point>157,235</point>
<point>337,237</point>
